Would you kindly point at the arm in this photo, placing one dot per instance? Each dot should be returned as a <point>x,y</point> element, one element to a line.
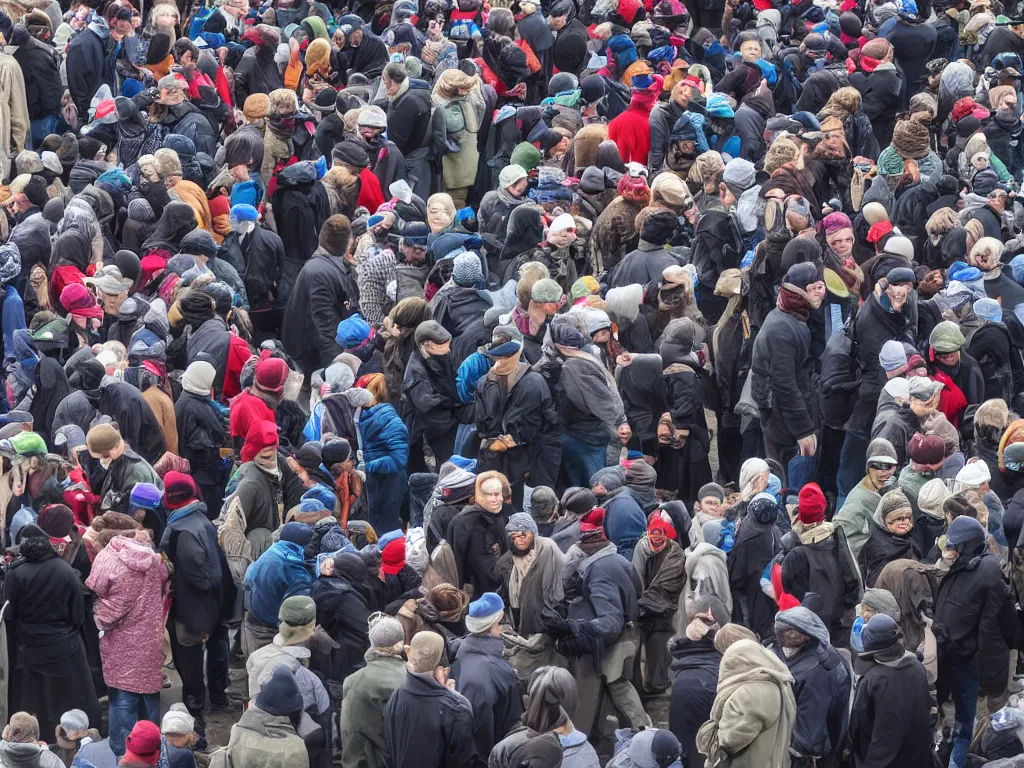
<point>324,306</point>
<point>396,434</point>
<point>190,561</point>
<point>19,110</point>
<point>659,140</point>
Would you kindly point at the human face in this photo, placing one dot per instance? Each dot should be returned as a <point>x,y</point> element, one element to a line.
<point>111,302</point>
<point>922,408</point>
<point>866,612</point>
<point>790,638</point>
<point>657,539</point>
<point>390,85</point>
<point>948,358</point>
<point>519,188</point>
<point>166,18</point>
<point>551,307</point>
<point>356,37</point>
<point>711,505</point>
<point>563,238</point>
<point>437,350</point>
<point>750,51</point>
<point>682,93</point>
<point>997,201</point>
<point>414,254</point>
<point>268,454</point>
<point>900,522</point>
<point>437,217</point>
<point>491,495</point>
<point>557,22</point>
<point>841,242</point>
<point>898,295</point>
<point>369,133</point>
<point>880,473</point>
<point>816,293</point>
<point>603,336</point>
<point>522,541</point>
<point>725,195</point>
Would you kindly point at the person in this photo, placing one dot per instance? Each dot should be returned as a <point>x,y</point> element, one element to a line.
<point>72,734</point>
<point>178,737</point>
<point>476,534</point>
<point>266,734</point>
<point>859,507</point>
<point>973,610</point>
<point>426,723</point>
<point>202,432</point>
<point>892,536</point>
<point>129,580</point>
<point>203,592</point>
<point>758,541</point>
<point>367,691</point>
<point>20,743</point>
<point>659,562</point>
<point>822,684</point>
<point>754,712</point>
<point>342,597</point>
<point>890,720</point>
<point>487,680</point>
<point>624,520</point>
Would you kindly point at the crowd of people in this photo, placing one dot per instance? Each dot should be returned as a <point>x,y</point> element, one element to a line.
<point>627,384</point>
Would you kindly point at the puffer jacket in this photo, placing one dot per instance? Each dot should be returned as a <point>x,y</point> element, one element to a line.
<point>262,740</point>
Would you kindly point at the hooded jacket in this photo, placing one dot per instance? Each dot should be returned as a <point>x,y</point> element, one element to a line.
<point>300,209</point>
<point>883,546</point>
<point>262,740</point>
<point>694,669</point>
<point>366,695</point>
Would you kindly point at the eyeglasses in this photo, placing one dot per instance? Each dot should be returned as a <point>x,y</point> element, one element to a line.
<point>901,519</point>
<point>879,467</point>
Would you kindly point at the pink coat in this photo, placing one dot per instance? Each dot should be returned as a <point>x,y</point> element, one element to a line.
<point>129,580</point>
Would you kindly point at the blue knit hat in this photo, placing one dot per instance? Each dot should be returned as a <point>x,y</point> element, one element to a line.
<point>183,145</point>
<point>483,613</point>
<point>965,273</point>
<point>388,537</point>
<point>280,696</point>
<point>467,270</point>
<point>244,212</point>
<point>963,530</point>
<point>352,331</point>
<point>988,309</point>
<point>297,533</point>
<point>321,493</point>
<point>131,87</point>
<point>145,496</point>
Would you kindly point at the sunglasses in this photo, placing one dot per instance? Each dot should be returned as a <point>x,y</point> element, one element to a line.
<point>880,467</point>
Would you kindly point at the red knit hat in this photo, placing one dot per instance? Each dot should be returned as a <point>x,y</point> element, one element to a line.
<point>179,490</point>
<point>271,374</point>
<point>593,520</point>
<point>143,744</point>
<point>657,524</point>
<point>811,505</point>
<point>261,434</point>
<point>392,558</point>
<point>77,300</point>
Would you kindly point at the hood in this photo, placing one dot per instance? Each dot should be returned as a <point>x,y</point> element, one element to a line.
<point>17,755</point>
<point>701,551</point>
<point>297,175</point>
<point>746,662</point>
<point>133,554</point>
<point>265,724</point>
<point>805,621</point>
<point>690,654</point>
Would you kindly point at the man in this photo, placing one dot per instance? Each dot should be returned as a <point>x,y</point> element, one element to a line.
<point>30,231</point>
<point>40,65</point>
<point>325,293</point>
<point>111,291</point>
<point>379,270</point>
<point>430,404</point>
<point>89,63</point>
<point>257,254</point>
<point>717,246</point>
<point>882,87</point>
<point>822,684</point>
<point>496,207</point>
<point>658,561</point>
<point>122,467</point>
<point>257,72</point>
<point>14,119</point>
<point>409,112</point>
<point>367,691</point>
<point>21,742</point>
<point>859,508</point>
<point>624,520</point>
<point>663,120</point>
<point>545,511</point>
<point>986,255</point>
<point>569,53</point>
<point>603,606</point>
<point>515,416</point>
<point>203,593</point>
<point>484,677</point>
<point>175,111</point>
<point>652,256</point>
<point>819,564</point>
<point>476,535</point>
<point>926,454</point>
<point>974,624</point>
<point>891,719</point>
<point>267,486</point>
<point>277,574</point>
<point>265,736</point>
<point>531,576</point>
<point>426,723</point>
<point>782,364</point>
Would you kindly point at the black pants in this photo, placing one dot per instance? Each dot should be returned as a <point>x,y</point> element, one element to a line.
<point>188,660</point>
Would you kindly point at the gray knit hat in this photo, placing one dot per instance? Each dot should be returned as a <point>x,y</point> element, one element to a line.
<point>520,521</point>
<point>881,451</point>
<point>467,271</point>
<point>139,209</point>
<point>891,502</point>
<point>881,601</point>
<point>385,631</point>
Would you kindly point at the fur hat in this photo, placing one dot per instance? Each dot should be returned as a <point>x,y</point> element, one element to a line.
<point>167,162</point>
<point>585,144</point>
<point>781,151</point>
<point>424,652</point>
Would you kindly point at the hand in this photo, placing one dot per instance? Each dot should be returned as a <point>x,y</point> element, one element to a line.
<point>624,432</point>
<point>519,92</point>
<point>508,440</point>
<point>624,359</point>
<point>808,445</point>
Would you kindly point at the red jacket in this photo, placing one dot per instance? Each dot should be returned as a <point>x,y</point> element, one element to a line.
<point>370,193</point>
<point>246,410</point>
<point>631,131</point>
<point>238,355</point>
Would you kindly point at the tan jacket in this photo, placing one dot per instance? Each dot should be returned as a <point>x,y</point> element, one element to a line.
<point>14,123</point>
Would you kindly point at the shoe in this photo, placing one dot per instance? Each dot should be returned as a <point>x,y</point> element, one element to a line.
<point>216,704</point>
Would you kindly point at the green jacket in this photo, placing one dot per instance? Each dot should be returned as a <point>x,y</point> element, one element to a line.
<point>855,516</point>
<point>365,695</point>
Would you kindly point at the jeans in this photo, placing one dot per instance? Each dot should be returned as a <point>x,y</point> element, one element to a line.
<point>40,130</point>
<point>582,459</point>
<point>852,463</point>
<point>801,470</point>
<point>959,679</point>
<point>126,709</point>
<point>188,660</point>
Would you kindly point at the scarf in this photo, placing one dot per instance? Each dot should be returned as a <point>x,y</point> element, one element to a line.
<point>521,568</point>
<point>820,532</point>
<point>282,127</point>
<point>793,301</point>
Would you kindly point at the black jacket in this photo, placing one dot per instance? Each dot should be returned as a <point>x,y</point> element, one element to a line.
<point>570,53</point>
<point>259,260</point>
<point>890,725</point>
<point>913,42</point>
<point>756,545</point>
<point>343,612</point>
<point>825,568</point>
<point>256,74</point>
<point>201,434</point>
<point>330,131</point>
<point>300,209</point>
<point>999,360</point>
<point>643,265</point>
<point>324,294</point>
<point>40,66</point>
<point>88,68</point>
<point>694,684</point>
<point>428,726</point>
<point>882,547</point>
<point>968,377</point>
<point>781,370</point>
<point>478,539</point>
<point>663,119</point>
<point>409,118</point>
<point>492,687</point>
<point>211,341</point>
<point>430,403</point>
<point>602,593</point>
<point>457,307</point>
<point>882,93</point>
<point>974,611</point>
<point>717,246</point>
<point>749,123</point>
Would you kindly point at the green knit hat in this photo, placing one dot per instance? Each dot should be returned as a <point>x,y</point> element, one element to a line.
<point>526,156</point>
<point>946,337</point>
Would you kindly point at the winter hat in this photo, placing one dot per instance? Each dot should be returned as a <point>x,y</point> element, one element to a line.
<point>392,557</point>
<point>659,227</point>
<point>198,378</point>
<point>145,496</point>
<point>584,286</point>
<point>56,520</point>
<point>881,601</point>
<point>70,438</point>
<point>946,337</point>
<point>280,696</point>
<point>932,497</point>
<point>177,721</point>
<point>296,533</point>
<point>297,611</point>
<point>973,475</point>
<point>923,388</point>
<point>881,633</point>
<point>424,652</point>
<point>103,438</point>
<point>521,521</point>
<point>835,221</point>
<point>74,720</point>
<point>336,235</point>
<point>577,501</point>
<point>271,374</point>
<point>336,451</point>
<point>811,504</point>
<point>198,242</point>
<point>179,489</point>
<point>509,175</point>
<point>711,489</point>
<point>892,501</point>
<point>526,156</point>
<point>467,270</point>
<point>484,613</point>
<point>880,451</point>
<point>781,152</point>
<point>803,274</point>
<point>546,291</point>
<point>385,631</point>
<point>612,478</point>
<point>892,356</point>
<point>988,309</point>
<point>78,300</point>
<point>352,331</point>
<point>593,520</point>
<point>911,139</point>
<point>926,449</point>
<point>143,744</point>
<point>964,530</point>
<point>739,175</point>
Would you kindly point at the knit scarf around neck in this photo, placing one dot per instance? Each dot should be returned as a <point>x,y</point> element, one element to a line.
<point>793,301</point>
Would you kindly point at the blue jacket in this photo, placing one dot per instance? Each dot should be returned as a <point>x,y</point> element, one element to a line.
<point>624,521</point>
<point>279,573</point>
<point>385,440</point>
<point>12,317</point>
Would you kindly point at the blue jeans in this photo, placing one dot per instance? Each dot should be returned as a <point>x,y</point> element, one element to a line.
<point>582,459</point>
<point>852,463</point>
<point>126,709</point>
<point>42,128</point>
<point>959,679</point>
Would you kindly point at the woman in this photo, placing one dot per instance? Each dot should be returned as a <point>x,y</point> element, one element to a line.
<point>385,442</point>
<point>503,63</point>
<point>460,98</point>
<point>891,537</point>
<point>342,597</point>
<point>440,212</point>
<point>72,253</point>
